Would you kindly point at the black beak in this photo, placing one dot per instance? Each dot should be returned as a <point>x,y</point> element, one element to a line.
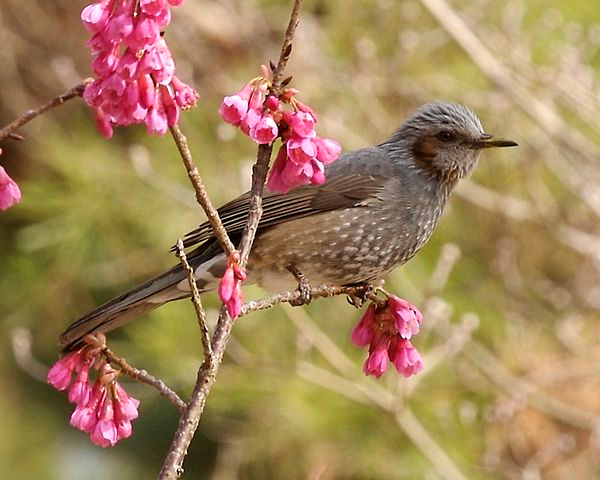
<point>487,142</point>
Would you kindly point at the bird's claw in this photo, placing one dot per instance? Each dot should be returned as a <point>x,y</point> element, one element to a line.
<point>304,288</point>
<point>359,295</point>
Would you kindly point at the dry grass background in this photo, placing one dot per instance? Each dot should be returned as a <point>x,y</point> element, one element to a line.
<point>509,285</point>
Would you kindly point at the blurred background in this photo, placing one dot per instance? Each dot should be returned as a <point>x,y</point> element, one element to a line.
<point>509,284</point>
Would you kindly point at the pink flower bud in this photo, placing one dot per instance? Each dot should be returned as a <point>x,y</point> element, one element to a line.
<point>147,91</point>
<point>275,181</point>
<point>377,361</point>
<point>363,333</point>
<point>103,123</point>
<point>234,305</point>
<point>405,357</point>
<point>9,195</point>
<point>327,150</point>
<point>59,376</point>
<point>171,108</point>
<point>233,109</point>
<point>226,285</point>
<point>185,96</point>
<point>156,119</point>
<point>95,16</point>
<point>272,103</point>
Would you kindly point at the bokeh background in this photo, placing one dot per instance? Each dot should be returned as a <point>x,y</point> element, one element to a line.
<point>509,284</point>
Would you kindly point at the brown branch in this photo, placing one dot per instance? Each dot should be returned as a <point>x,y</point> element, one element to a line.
<point>172,466</point>
<point>200,189</point>
<point>7,131</point>
<point>200,313</point>
<point>144,377</point>
<point>296,297</point>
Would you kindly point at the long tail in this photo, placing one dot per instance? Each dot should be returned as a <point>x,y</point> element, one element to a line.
<point>171,285</point>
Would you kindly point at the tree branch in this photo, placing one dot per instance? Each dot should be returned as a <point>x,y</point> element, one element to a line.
<point>201,193</point>
<point>200,313</point>
<point>144,377</point>
<point>7,131</point>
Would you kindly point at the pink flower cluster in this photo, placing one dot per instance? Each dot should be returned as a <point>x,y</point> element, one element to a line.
<point>230,286</point>
<point>9,190</point>
<point>135,72</point>
<point>102,409</point>
<point>303,155</point>
<point>387,331</point>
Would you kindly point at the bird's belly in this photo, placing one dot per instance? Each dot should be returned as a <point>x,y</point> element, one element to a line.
<point>342,247</point>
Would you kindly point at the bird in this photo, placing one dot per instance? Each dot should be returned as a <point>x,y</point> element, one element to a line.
<point>376,210</point>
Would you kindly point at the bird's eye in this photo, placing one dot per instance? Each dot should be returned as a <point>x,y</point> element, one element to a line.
<point>445,136</point>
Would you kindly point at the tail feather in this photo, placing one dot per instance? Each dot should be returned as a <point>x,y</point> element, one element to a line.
<point>120,310</point>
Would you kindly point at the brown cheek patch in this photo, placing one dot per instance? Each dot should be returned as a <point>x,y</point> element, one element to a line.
<point>425,149</point>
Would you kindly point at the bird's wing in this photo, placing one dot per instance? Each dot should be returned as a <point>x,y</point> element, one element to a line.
<point>341,191</point>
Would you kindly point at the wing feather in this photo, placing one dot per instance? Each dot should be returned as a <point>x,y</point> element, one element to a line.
<point>340,192</point>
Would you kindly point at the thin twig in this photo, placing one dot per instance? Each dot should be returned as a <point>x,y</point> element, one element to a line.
<point>7,131</point>
<point>200,189</point>
<point>172,466</point>
<point>144,377</point>
<point>200,313</point>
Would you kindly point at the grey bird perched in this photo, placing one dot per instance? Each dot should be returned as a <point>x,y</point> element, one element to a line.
<point>377,209</point>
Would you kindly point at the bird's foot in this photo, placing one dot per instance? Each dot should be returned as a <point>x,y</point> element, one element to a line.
<point>303,287</point>
<point>360,294</point>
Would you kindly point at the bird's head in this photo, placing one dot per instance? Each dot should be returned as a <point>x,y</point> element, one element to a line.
<point>445,139</point>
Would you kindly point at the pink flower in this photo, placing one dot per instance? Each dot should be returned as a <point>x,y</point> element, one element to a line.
<point>104,432</point>
<point>130,60</point>
<point>104,411</point>
<point>59,376</point>
<point>386,328</point>
<point>249,121</point>
<point>83,418</point>
<point>407,316</point>
<point>145,34</point>
<point>156,119</point>
<point>95,16</point>
<point>363,333</point>
<point>103,123</point>
<point>301,150</point>
<point>9,190</point>
<point>147,91</point>
<point>185,96</point>
<point>275,182</point>
<point>80,391</point>
<point>301,123</point>
<point>328,150</point>
<point>265,130</point>
<point>233,109</point>
<point>230,291</point>
<point>377,361</point>
<point>405,357</point>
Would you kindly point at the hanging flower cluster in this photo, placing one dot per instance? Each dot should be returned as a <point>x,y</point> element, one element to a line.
<point>135,73</point>
<point>102,408</point>
<point>303,155</point>
<point>387,331</point>
<point>230,290</point>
